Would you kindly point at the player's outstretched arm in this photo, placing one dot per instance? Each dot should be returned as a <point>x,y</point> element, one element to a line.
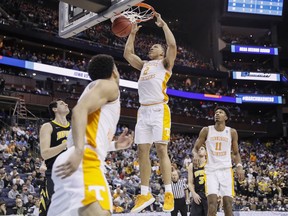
<point>129,52</point>
<point>102,91</point>
<point>171,43</point>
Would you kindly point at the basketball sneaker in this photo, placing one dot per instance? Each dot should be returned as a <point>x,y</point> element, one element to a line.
<point>142,201</point>
<point>168,202</point>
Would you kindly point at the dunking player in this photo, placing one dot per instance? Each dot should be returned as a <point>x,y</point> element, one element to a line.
<point>219,139</point>
<point>154,121</point>
<point>53,137</point>
<point>78,173</point>
<point>196,184</point>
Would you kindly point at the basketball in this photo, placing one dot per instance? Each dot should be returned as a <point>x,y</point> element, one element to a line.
<point>121,27</point>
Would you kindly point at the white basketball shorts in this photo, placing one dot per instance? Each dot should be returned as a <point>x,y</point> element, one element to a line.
<point>153,124</point>
<point>220,182</point>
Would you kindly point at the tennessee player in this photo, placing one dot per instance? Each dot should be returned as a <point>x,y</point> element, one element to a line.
<point>219,141</point>
<point>154,120</point>
<point>78,174</point>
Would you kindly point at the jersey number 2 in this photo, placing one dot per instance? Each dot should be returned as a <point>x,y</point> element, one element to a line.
<point>146,71</point>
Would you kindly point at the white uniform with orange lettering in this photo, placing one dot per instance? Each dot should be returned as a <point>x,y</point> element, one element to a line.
<point>153,119</point>
<point>219,174</point>
<point>88,183</point>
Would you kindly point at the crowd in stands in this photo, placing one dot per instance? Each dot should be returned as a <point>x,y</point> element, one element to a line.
<point>19,170</point>
<point>46,19</point>
<point>265,163</point>
<point>247,39</point>
<point>41,55</point>
<point>238,64</point>
<point>179,106</point>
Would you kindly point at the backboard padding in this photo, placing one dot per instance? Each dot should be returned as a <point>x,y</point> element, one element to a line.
<point>69,27</point>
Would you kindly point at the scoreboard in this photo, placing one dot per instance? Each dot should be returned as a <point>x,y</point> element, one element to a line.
<point>260,7</point>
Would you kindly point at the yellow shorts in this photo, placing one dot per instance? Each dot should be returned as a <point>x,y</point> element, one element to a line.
<point>85,186</point>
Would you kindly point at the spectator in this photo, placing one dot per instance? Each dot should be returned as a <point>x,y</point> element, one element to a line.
<point>13,192</point>
<point>30,187</point>
<point>31,201</point>
<point>34,210</point>
<point>120,199</point>
<point>237,205</point>
<point>24,194</point>
<point>19,209</point>
<point>265,206</point>
<point>3,210</point>
<point>17,180</point>
<point>26,168</point>
<point>117,208</point>
<point>161,196</point>
<point>157,205</point>
<point>245,206</point>
<point>3,146</point>
<point>117,192</point>
<point>22,142</point>
<point>186,161</point>
<point>7,180</point>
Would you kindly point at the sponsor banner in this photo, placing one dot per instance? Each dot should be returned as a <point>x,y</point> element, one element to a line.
<point>260,98</point>
<point>254,49</point>
<point>12,62</point>
<point>198,96</point>
<point>245,75</point>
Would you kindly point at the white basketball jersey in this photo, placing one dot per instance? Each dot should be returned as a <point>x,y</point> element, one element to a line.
<point>218,147</point>
<point>152,83</point>
<point>101,127</point>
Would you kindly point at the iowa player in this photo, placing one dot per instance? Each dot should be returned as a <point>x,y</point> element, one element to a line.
<point>196,184</point>
<point>53,137</point>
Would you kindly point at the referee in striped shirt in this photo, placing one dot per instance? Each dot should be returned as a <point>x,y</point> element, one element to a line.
<point>181,195</point>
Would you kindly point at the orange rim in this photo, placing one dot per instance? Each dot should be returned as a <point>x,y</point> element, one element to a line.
<point>148,7</point>
<point>145,6</point>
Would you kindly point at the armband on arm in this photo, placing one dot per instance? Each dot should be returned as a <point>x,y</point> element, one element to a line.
<point>239,165</point>
<point>112,146</point>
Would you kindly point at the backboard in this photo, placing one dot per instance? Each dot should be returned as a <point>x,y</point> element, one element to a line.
<point>73,20</point>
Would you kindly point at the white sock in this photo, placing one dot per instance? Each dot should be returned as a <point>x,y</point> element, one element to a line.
<point>168,188</point>
<point>144,190</point>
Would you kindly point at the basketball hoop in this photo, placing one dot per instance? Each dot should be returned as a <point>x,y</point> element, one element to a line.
<point>141,12</point>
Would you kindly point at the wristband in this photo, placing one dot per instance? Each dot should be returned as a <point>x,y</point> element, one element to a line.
<point>112,146</point>
<point>239,165</point>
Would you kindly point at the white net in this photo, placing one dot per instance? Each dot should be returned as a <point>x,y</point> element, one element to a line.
<point>138,13</point>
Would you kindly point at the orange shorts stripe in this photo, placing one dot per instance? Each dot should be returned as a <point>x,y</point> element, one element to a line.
<point>232,176</point>
<point>166,123</point>
<point>92,128</point>
<point>96,188</point>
